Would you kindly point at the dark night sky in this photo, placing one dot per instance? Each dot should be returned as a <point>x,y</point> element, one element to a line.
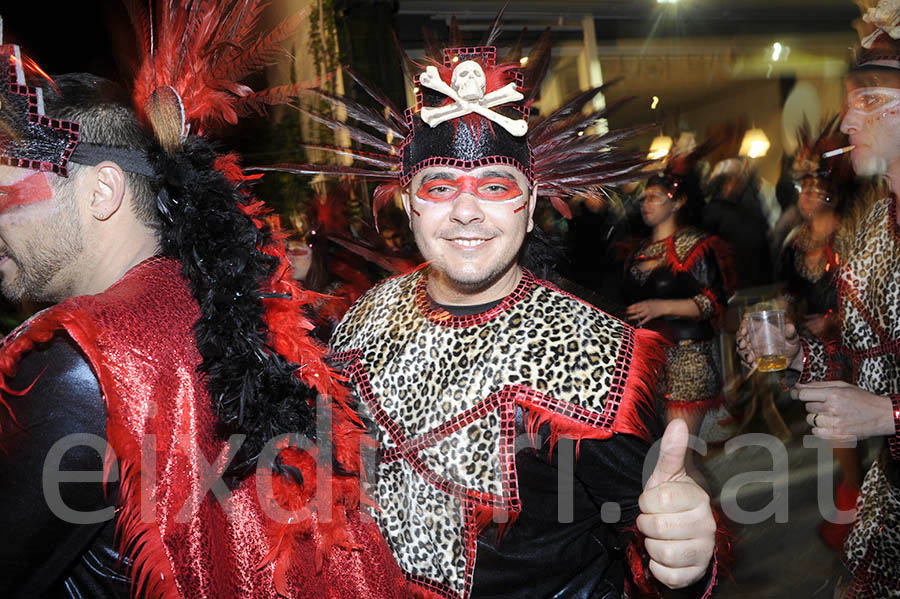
<point>70,36</point>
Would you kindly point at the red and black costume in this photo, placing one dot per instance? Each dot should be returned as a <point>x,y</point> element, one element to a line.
<point>187,368</point>
<point>452,393</point>
<point>692,265</point>
<point>689,264</point>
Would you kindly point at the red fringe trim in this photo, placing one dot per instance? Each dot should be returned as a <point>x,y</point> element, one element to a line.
<point>643,385</point>
<point>484,516</point>
<point>723,254</point>
<point>642,585</point>
<point>561,427</point>
<point>692,407</point>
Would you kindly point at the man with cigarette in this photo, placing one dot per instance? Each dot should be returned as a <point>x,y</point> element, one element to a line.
<point>868,352</point>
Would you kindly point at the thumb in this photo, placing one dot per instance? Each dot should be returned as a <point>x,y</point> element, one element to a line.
<point>672,449</point>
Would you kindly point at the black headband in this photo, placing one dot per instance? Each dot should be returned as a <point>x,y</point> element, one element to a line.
<point>132,161</point>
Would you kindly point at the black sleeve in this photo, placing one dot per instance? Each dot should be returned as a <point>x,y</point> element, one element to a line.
<point>786,274</point>
<point>611,472</point>
<point>64,398</point>
<point>710,276</point>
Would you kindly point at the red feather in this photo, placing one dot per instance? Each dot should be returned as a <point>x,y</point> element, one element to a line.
<point>561,207</point>
<point>202,50</point>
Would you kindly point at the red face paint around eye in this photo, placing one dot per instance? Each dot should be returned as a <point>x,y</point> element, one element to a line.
<point>32,189</point>
<point>490,189</point>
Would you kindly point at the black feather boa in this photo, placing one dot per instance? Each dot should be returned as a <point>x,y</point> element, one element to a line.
<point>253,388</point>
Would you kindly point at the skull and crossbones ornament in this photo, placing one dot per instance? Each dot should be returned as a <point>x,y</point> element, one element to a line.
<point>467,90</point>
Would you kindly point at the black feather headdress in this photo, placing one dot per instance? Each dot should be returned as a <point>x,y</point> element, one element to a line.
<point>473,108</point>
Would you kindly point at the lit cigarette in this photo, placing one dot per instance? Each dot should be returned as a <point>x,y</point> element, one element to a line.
<point>838,152</point>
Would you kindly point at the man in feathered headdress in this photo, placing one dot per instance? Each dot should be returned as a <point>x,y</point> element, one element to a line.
<point>174,359</point>
<point>867,352</point>
<point>460,365</point>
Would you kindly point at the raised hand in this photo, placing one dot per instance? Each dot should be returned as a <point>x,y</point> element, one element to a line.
<point>676,517</point>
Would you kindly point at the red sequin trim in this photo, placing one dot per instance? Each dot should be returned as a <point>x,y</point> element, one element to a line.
<point>466,165</point>
<point>892,216</point>
<point>441,317</point>
<point>504,402</point>
<point>805,373</point>
<point>71,129</point>
<point>488,54</point>
<point>894,442</point>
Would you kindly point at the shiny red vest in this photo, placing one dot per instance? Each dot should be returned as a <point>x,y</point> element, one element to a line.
<point>161,428</point>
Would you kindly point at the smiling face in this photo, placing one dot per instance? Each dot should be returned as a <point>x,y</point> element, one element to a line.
<point>872,122</point>
<point>470,226</point>
<point>40,235</point>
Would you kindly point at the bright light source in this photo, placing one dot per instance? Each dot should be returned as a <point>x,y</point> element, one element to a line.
<point>523,61</point>
<point>755,144</point>
<point>659,147</point>
<point>776,51</point>
<point>581,134</point>
<point>667,1</point>
<point>654,103</point>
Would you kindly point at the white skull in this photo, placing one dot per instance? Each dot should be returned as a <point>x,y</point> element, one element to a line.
<point>468,80</point>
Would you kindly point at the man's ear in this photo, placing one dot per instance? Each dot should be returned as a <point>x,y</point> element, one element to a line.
<point>407,206</point>
<point>532,202</point>
<point>107,190</point>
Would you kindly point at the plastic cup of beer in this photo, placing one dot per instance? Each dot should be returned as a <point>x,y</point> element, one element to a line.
<point>767,339</point>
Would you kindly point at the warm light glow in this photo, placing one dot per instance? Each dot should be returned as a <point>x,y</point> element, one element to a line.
<point>523,61</point>
<point>776,51</point>
<point>755,144</point>
<point>654,103</point>
<point>659,147</point>
<point>666,1</point>
<point>455,59</point>
<point>581,134</point>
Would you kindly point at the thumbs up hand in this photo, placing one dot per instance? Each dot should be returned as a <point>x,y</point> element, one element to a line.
<point>676,518</point>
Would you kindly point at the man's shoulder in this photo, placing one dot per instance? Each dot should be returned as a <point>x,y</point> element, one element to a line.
<point>150,298</point>
<point>567,309</point>
<point>381,306</point>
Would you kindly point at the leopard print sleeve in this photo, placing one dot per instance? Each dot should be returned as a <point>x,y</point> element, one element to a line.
<point>815,360</point>
<point>711,268</point>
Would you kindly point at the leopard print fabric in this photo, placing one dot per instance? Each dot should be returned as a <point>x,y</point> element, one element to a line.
<point>869,304</point>
<point>870,301</point>
<point>442,393</point>
<point>693,374</point>
<point>872,551</point>
<point>869,307</point>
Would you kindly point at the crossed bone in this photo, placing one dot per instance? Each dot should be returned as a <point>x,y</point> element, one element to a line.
<point>437,115</point>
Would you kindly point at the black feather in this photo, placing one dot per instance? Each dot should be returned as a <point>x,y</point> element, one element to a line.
<point>254,389</point>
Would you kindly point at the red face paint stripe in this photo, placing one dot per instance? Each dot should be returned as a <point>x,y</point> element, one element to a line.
<point>32,189</point>
<point>491,189</point>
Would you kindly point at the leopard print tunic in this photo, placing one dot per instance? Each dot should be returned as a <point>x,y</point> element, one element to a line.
<point>869,304</point>
<point>442,392</point>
